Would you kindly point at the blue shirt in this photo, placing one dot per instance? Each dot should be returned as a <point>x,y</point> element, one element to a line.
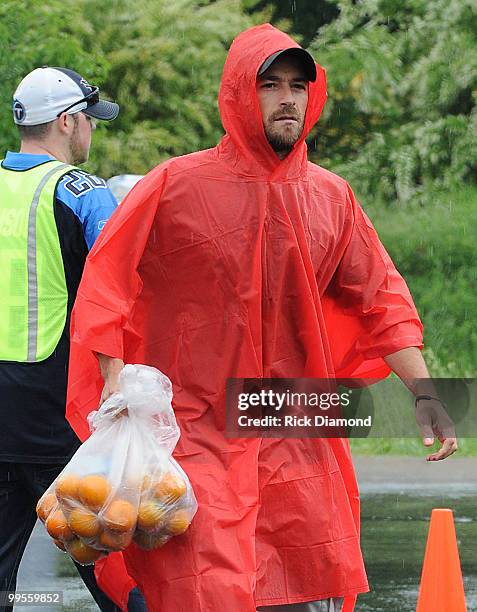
<point>86,195</point>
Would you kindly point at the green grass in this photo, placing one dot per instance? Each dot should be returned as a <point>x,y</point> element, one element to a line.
<point>394,429</point>
<point>407,446</point>
<point>433,246</point>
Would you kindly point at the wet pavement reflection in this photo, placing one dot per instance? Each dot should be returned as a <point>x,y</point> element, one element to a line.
<point>394,533</point>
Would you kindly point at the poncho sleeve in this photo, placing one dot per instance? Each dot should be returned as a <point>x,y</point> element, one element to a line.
<point>369,311</point>
<point>101,317</point>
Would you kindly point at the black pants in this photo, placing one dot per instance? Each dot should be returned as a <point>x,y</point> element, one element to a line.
<point>21,486</point>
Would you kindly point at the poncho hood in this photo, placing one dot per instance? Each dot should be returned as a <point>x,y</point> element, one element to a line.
<point>245,142</point>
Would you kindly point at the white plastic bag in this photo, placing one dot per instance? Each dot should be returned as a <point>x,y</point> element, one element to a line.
<point>122,484</point>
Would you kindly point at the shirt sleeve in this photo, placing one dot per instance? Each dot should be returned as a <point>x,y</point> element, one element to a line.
<point>90,199</point>
<point>368,307</point>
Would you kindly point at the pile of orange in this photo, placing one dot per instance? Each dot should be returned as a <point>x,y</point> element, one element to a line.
<point>162,510</point>
<point>86,518</point>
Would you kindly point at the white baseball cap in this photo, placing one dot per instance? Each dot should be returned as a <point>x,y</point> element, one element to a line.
<point>47,92</point>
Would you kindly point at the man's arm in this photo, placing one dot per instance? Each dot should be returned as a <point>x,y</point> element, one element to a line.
<point>110,369</point>
<point>431,416</point>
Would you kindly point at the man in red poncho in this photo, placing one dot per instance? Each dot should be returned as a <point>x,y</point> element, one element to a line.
<point>247,260</point>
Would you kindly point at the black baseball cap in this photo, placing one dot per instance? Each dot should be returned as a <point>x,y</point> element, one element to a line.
<point>301,54</point>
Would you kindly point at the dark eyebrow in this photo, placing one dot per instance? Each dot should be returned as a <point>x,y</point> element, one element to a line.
<point>272,77</point>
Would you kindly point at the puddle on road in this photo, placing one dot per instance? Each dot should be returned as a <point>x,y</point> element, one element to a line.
<point>394,531</point>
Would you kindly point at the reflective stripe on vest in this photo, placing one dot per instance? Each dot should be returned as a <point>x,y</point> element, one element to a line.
<point>34,299</point>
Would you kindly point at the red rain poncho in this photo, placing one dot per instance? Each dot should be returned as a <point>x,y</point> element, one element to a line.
<point>232,263</point>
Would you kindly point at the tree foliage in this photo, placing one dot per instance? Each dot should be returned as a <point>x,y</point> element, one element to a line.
<point>401,113</point>
<point>401,117</point>
<point>165,63</point>
<point>400,120</point>
<point>34,34</point>
<point>161,60</point>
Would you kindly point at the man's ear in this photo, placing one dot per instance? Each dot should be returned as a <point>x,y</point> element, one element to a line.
<point>65,123</point>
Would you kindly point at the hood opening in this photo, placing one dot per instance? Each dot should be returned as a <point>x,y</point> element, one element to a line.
<point>239,106</point>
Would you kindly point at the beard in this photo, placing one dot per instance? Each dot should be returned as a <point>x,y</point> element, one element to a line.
<point>78,155</point>
<point>282,137</point>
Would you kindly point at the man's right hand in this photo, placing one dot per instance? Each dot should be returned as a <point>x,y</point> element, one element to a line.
<point>110,369</point>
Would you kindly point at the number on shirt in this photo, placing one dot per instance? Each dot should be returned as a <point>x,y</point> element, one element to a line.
<point>80,182</point>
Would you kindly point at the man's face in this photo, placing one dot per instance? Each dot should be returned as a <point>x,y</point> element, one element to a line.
<point>283,97</point>
<point>80,140</point>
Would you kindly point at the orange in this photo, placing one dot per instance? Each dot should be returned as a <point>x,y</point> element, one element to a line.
<point>112,540</point>
<point>84,522</point>
<point>148,541</point>
<point>67,487</point>
<point>170,488</point>
<point>82,553</point>
<point>57,526</point>
<point>150,516</point>
<point>45,505</point>
<point>59,544</point>
<point>144,486</point>
<point>179,522</point>
<point>93,491</point>
<point>120,515</point>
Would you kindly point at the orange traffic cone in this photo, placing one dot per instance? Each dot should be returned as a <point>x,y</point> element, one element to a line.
<point>442,589</point>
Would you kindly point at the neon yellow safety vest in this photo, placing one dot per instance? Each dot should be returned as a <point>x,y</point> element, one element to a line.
<point>33,291</point>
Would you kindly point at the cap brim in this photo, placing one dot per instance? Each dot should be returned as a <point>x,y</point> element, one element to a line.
<point>105,110</point>
<point>301,54</point>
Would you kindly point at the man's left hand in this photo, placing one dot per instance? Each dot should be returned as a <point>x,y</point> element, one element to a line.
<point>434,421</point>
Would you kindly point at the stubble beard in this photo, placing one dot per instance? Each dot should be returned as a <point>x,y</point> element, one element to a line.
<point>283,138</point>
<point>77,153</point>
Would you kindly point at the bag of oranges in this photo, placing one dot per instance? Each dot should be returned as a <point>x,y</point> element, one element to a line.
<point>122,485</point>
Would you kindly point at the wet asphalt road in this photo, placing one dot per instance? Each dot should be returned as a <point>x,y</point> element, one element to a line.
<point>384,474</point>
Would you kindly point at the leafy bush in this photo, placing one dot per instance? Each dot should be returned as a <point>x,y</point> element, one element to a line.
<point>433,247</point>
<point>34,34</point>
<point>166,60</point>
<point>401,118</point>
<point>400,124</point>
<point>162,61</point>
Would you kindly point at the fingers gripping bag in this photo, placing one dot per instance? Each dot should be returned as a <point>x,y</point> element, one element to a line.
<point>122,484</point>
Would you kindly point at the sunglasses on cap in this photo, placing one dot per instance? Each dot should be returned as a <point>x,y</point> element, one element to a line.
<point>91,99</point>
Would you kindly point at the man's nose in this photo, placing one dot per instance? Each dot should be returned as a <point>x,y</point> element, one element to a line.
<point>287,97</point>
